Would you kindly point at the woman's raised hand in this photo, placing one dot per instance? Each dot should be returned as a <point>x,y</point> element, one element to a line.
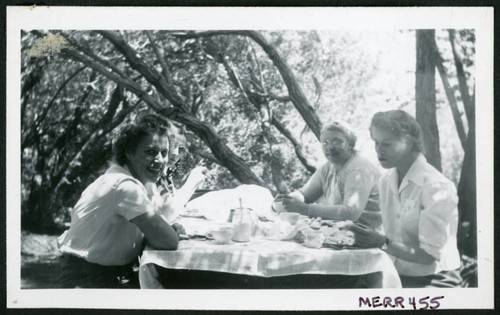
<point>198,175</point>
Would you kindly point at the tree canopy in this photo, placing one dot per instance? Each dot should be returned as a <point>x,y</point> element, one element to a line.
<point>247,104</point>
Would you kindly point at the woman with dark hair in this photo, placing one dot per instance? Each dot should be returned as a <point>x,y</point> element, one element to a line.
<point>418,206</point>
<point>344,188</point>
<point>115,214</point>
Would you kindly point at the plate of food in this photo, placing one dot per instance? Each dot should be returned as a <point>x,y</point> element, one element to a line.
<point>193,213</point>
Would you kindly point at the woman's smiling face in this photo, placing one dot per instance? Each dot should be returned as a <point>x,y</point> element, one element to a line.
<point>335,146</point>
<point>147,161</point>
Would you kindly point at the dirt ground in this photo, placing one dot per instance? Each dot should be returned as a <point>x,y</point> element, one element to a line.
<point>38,261</point>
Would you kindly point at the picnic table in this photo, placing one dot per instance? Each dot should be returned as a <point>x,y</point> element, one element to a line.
<point>260,258</point>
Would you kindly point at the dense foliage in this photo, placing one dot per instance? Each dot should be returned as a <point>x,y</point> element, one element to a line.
<point>245,104</point>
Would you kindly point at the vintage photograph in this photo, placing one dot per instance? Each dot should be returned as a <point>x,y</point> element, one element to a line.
<point>265,160</point>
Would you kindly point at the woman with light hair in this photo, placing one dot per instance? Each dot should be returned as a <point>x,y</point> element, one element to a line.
<point>344,188</point>
<point>418,206</point>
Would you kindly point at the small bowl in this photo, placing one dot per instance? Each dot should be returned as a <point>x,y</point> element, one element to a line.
<point>278,207</point>
<point>291,217</point>
<point>222,235</point>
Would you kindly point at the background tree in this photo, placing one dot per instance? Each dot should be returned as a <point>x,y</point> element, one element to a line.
<point>246,104</point>
<point>425,96</point>
<point>454,68</point>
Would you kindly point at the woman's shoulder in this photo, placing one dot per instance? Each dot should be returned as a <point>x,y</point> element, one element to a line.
<point>119,175</point>
<point>122,183</point>
<point>431,176</point>
<point>435,181</point>
<point>326,168</point>
<point>360,163</point>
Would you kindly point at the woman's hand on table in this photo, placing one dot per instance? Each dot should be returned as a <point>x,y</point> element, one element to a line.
<point>366,237</point>
<point>179,229</point>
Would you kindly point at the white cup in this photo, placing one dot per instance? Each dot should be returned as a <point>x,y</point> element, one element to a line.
<point>222,235</point>
<point>278,206</point>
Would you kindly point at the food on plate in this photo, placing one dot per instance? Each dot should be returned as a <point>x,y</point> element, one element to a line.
<point>335,233</point>
<point>314,239</point>
<point>192,213</point>
<point>341,237</point>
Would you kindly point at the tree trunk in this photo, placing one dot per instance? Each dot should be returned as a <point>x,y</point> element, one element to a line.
<point>425,95</point>
<point>75,164</point>
<point>235,164</point>
<point>297,97</point>
<point>30,81</point>
<point>27,138</point>
<point>467,188</point>
<point>462,81</point>
<point>257,101</point>
<point>459,125</point>
<point>467,233</point>
<point>221,151</point>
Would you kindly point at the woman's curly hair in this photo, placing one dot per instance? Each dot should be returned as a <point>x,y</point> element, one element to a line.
<point>131,135</point>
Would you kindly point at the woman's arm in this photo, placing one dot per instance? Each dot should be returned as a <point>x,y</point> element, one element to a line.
<point>132,203</point>
<point>368,238</point>
<point>437,217</point>
<point>328,212</point>
<point>408,253</point>
<point>331,212</point>
<point>310,192</point>
<point>158,233</point>
<point>357,188</point>
<point>313,189</point>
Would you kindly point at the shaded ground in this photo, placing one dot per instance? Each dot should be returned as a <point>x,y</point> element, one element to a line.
<point>38,267</point>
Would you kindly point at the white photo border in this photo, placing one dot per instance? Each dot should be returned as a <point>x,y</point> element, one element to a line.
<point>261,18</point>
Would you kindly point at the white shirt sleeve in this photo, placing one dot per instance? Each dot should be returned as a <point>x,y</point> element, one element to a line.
<point>357,188</point>
<point>131,200</point>
<point>439,201</point>
<point>313,189</point>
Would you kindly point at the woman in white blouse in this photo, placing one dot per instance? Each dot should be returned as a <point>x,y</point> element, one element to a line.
<point>116,214</point>
<point>418,206</point>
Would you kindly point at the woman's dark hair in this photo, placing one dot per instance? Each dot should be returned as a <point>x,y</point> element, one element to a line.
<point>131,135</point>
<point>400,123</point>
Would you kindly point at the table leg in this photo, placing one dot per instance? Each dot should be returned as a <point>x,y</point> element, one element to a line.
<point>148,277</point>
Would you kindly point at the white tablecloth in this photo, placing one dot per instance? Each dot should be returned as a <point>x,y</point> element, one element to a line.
<point>267,258</point>
<point>259,257</point>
